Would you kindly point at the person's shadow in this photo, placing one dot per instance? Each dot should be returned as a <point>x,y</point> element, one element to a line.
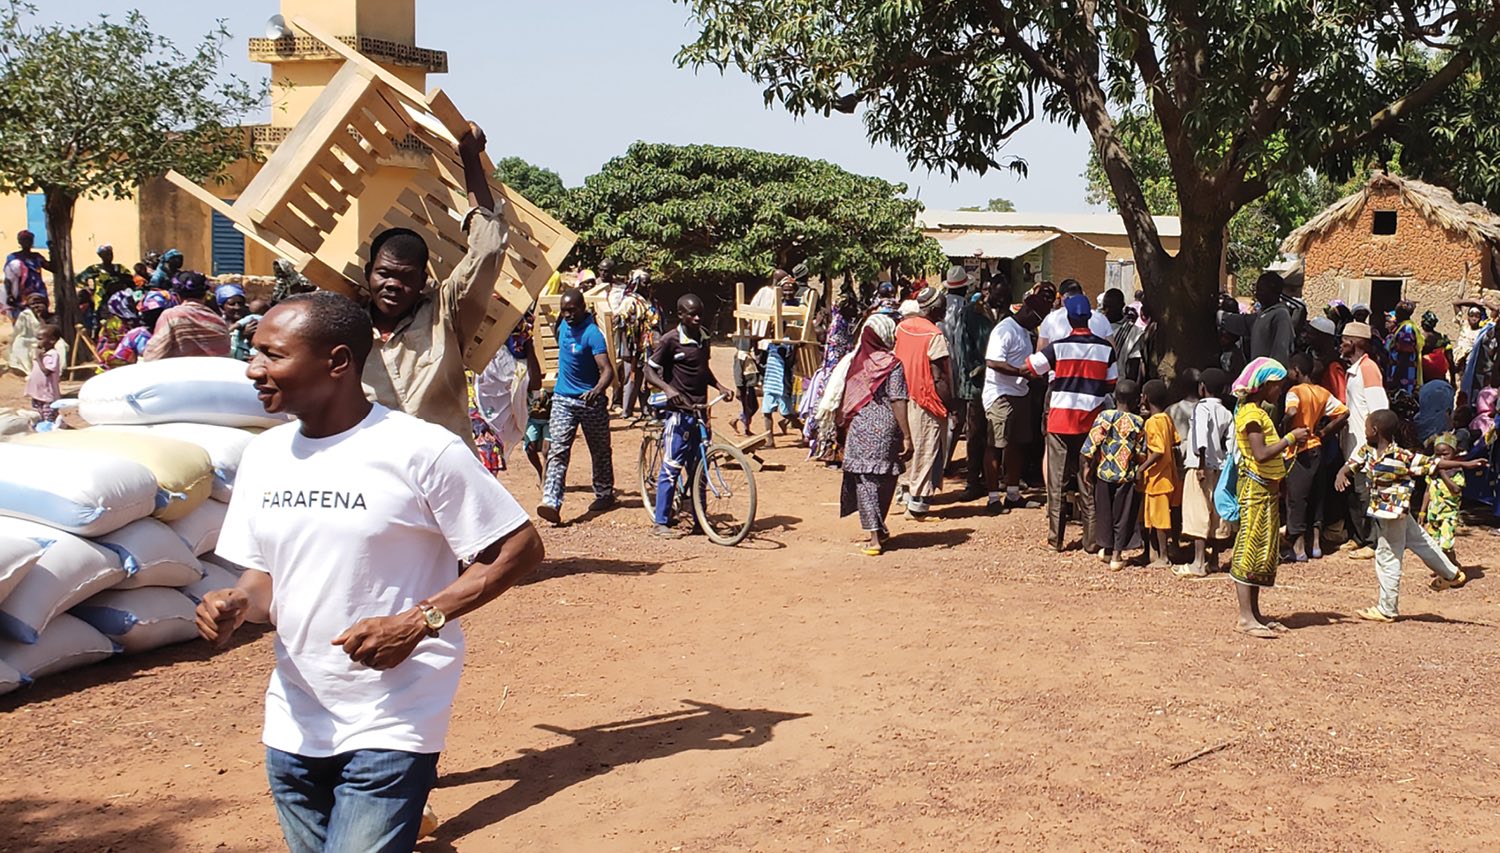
<point>597,750</point>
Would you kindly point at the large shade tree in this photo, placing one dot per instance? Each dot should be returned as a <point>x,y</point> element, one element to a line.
<point>707,214</point>
<point>95,110</point>
<point>541,186</point>
<point>1246,94</point>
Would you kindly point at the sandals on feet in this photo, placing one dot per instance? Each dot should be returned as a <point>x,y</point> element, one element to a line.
<point>1260,632</point>
<point>1440,583</point>
<point>1373,614</point>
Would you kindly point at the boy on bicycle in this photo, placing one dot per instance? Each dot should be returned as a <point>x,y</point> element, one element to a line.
<point>679,367</point>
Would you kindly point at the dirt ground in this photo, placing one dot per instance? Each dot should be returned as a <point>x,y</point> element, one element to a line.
<point>967,690</point>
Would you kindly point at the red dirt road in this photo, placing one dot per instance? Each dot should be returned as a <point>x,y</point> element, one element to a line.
<point>965,691</point>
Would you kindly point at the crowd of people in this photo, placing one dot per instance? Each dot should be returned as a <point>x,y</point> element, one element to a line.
<point>1350,428</point>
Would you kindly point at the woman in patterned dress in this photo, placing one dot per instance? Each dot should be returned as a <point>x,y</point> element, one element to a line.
<point>837,344</point>
<point>1262,467</point>
<point>868,393</point>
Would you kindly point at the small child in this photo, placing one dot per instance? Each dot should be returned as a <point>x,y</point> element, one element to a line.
<point>1440,507</point>
<point>242,333</point>
<point>1207,446</point>
<point>1158,474</point>
<point>44,383</point>
<point>1312,407</point>
<point>538,416</point>
<point>1185,387</point>
<point>1111,461</point>
<point>1392,471</point>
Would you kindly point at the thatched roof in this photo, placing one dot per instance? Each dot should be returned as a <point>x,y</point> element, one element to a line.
<point>1436,204</point>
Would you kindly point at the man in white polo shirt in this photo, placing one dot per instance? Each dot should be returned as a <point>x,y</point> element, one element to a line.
<point>1007,401</point>
<point>351,524</point>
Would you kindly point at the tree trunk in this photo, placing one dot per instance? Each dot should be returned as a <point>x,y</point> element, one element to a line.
<point>59,211</point>
<point>1184,296</point>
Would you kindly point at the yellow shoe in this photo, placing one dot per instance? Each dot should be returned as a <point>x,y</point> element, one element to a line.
<point>1364,553</point>
<point>1373,614</point>
<point>1459,580</point>
<point>430,822</point>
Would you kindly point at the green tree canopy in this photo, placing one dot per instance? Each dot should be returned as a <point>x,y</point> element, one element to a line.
<point>1246,94</point>
<point>1255,231</point>
<point>95,110</point>
<point>696,212</point>
<point>995,205</point>
<point>542,187</point>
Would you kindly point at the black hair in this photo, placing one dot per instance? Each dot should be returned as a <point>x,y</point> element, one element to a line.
<point>1070,285</point>
<point>1214,381</point>
<point>332,319</point>
<point>1187,380</point>
<point>1303,362</point>
<point>1269,281</point>
<point>402,244</point>
<point>1128,394</point>
<point>1157,393</point>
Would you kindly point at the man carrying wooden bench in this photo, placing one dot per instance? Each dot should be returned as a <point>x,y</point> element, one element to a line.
<point>420,325</point>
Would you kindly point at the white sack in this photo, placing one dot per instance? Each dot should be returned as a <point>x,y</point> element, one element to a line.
<point>200,390</point>
<point>81,492</point>
<point>224,445</point>
<point>18,553</point>
<point>140,620</point>
<point>67,643</point>
<point>72,569</point>
<point>153,555</point>
<point>200,529</point>
<point>215,577</point>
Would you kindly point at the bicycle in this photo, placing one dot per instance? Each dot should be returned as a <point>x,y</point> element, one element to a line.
<point>722,483</point>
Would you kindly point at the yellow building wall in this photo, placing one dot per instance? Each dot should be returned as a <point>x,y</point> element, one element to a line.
<point>95,221</point>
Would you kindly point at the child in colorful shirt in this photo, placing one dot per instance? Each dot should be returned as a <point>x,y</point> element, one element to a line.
<point>1111,458</point>
<point>1392,471</point>
<point>1440,509</point>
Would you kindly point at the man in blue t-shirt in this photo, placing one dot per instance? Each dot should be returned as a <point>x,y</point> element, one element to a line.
<point>583,374</point>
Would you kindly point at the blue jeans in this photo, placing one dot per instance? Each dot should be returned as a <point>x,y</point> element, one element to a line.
<point>684,447</point>
<point>366,801</point>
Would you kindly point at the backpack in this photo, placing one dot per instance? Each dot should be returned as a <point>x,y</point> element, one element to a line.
<point>1227,491</point>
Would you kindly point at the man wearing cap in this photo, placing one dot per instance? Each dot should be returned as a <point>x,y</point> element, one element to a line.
<point>189,329</point>
<point>1057,326</point>
<point>1084,374</point>
<point>23,274</point>
<point>1365,395</point>
<point>924,356</point>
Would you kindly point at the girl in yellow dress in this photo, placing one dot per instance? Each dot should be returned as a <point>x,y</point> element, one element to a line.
<point>1159,476</point>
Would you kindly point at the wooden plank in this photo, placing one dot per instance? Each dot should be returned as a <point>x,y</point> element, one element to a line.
<point>270,240</point>
<point>380,109</point>
<point>312,210</point>
<point>358,60</point>
<point>327,115</point>
<point>304,235</point>
<point>316,182</point>
<point>360,156</point>
<point>380,144</point>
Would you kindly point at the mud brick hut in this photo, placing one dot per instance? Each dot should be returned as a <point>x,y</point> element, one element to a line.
<point>1399,238</point>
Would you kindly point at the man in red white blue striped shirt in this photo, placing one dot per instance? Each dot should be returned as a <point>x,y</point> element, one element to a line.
<point>1085,372</point>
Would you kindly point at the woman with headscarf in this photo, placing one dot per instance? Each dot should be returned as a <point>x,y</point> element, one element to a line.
<point>1437,351</point>
<point>1404,372</point>
<point>1262,467</point>
<point>837,342</point>
<point>189,329</point>
<point>866,398</point>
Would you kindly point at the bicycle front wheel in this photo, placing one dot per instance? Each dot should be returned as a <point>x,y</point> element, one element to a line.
<point>650,467</point>
<point>724,494</point>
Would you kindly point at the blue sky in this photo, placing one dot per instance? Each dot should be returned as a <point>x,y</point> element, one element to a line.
<point>591,76</point>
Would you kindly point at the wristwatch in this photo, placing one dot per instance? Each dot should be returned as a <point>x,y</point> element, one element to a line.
<point>434,618</point>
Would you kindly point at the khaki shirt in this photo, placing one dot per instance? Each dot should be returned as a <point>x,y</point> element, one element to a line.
<point>419,370</point>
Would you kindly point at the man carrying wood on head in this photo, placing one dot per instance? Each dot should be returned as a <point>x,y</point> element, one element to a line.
<point>420,325</point>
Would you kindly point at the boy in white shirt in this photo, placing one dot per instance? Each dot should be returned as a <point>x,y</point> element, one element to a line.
<point>351,524</point>
<point>1207,447</point>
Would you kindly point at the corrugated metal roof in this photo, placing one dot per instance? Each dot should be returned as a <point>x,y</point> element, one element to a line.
<point>993,244</point>
<point>1081,224</point>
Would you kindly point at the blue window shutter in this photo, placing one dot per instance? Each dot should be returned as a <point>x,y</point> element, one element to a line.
<point>36,217</point>
<point>229,247</point>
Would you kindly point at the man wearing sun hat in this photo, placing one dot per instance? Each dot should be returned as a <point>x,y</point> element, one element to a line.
<point>1365,395</point>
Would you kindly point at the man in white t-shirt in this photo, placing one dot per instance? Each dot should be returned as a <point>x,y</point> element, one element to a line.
<point>351,524</point>
<point>1007,401</point>
<point>1055,327</point>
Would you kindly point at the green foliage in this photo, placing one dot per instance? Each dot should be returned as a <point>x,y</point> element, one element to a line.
<point>97,109</point>
<point>705,212</point>
<point>1246,95</point>
<point>1255,231</point>
<point>995,205</point>
<point>542,187</point>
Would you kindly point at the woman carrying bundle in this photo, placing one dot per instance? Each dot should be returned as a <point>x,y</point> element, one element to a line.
<point>866,397</point>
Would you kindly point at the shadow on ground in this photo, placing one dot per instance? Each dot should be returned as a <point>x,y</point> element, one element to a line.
<point>539,774</point>
<point>568,566</point>
<point>39,825</point>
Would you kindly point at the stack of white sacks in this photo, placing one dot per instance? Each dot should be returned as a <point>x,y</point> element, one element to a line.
<point>107,533</point>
